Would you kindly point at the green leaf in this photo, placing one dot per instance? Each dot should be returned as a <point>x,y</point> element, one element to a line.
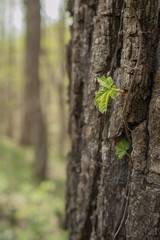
<point>113,94</point>
<point>106,91</point>
<point>113,86</point>
<point>107,99</point>
<point>102,108</point>
<point>105,82</point>
<point>102,82</point>
<point>109,81</point>
<point>99,95</point>
<point>122,147</point>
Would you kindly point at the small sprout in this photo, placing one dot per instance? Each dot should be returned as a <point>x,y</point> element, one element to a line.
<point>106,90</point>
<point>121,148</point>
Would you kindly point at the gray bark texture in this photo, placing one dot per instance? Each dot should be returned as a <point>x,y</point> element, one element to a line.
<point>108,198</point>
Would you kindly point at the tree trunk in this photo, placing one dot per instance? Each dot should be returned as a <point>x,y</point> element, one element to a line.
<point>34,129</point>
<point>61,78</point>
<point>11,60</point>
<point>109,198</point>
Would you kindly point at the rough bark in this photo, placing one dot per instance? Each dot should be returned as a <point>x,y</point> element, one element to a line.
<point>34,128</point>
<point>96,204</point>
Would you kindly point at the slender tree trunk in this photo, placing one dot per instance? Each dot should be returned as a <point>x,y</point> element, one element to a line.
<point>109,198</point>
<point>3,97</point>
<point>11,60</point>
<point>34,129</point>
<point>2,19</point>
<point>61,78</point>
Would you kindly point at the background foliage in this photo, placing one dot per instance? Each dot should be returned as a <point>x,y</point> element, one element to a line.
<point>30,209</point>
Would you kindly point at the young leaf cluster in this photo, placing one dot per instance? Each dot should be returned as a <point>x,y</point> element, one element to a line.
<point>106,91</point>
<point>121,148</point>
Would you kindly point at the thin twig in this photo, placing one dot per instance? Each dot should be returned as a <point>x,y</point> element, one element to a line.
<point>124,206</point>
<point>123,218</point>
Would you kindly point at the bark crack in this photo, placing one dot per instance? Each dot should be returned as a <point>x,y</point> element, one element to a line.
<point>127,100</point>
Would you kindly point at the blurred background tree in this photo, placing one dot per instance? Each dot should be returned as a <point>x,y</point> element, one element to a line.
<point>34,127</point>
<point>33,119</point>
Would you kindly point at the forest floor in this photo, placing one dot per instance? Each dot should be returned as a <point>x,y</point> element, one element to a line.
<point>30,210</point>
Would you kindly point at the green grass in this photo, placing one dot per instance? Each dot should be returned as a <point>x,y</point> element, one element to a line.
<point>29,211</point>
